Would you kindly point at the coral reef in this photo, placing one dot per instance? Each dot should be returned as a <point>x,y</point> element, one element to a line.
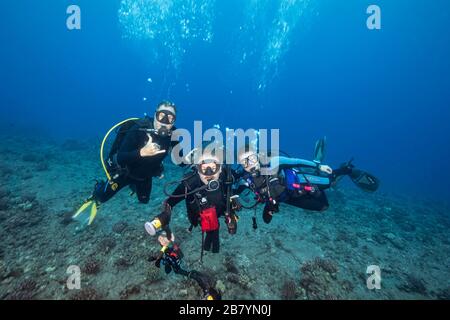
<point>91,267</point>
<point>414,284</point>
<point>106,245</point>
<point>28,213</point>
<point>40,240</point>
<point>289,290</point>
<point>119,227</point>
<point>130,291</point>
<point>86,294</point>
<point>319,279</point>
<point>66,217</point>
<point>5,171</point>
<point>230,266</point>
<point>443,294</point>
<point>25,291</point>
<point>123,263</point>
<point>4,199</point>
<point>4,204</point>
<point>154,274</point>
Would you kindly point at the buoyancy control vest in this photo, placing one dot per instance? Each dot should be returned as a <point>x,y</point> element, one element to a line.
<point>204,206</point>
<point>266,187</point>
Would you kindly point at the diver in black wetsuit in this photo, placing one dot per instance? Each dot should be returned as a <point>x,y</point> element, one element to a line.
<point>206,192</point>
<point>136,157</point>
<point>297,182</point>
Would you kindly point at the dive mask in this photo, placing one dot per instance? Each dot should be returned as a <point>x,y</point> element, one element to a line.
<point>165,117</point>
<point>209,168</point>
<point>251,163</point>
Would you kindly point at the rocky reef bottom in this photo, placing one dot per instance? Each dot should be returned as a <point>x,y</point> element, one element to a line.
<point>300,255</point>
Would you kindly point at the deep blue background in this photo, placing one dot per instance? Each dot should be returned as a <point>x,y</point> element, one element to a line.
<point>380,96</point>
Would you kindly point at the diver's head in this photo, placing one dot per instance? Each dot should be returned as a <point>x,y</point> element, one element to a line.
<point>209,164</point>
<point>249,159</point>
<point>165,116</point>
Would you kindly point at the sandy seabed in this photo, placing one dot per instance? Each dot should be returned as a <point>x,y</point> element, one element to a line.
<point>300,255</point>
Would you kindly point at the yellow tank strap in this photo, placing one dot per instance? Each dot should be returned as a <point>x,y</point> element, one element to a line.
<point>103,145</point>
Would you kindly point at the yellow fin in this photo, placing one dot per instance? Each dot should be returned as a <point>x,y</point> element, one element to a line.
<point>93,213</point>
<point>82,208</point>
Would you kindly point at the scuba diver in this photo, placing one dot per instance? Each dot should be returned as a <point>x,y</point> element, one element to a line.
<point>171,257</point>
<point>297,182</point>
<point>135,157</point>
<point>207,193</point>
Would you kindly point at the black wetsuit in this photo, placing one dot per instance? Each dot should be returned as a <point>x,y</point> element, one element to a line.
<point>197,202</point>
<point>133,170</point>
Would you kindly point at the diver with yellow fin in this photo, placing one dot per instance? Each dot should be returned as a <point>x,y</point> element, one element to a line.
<point>136,156</point>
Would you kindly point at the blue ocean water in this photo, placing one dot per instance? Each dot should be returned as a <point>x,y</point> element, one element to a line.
<point>310,68</point>
<point>380,96</point>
